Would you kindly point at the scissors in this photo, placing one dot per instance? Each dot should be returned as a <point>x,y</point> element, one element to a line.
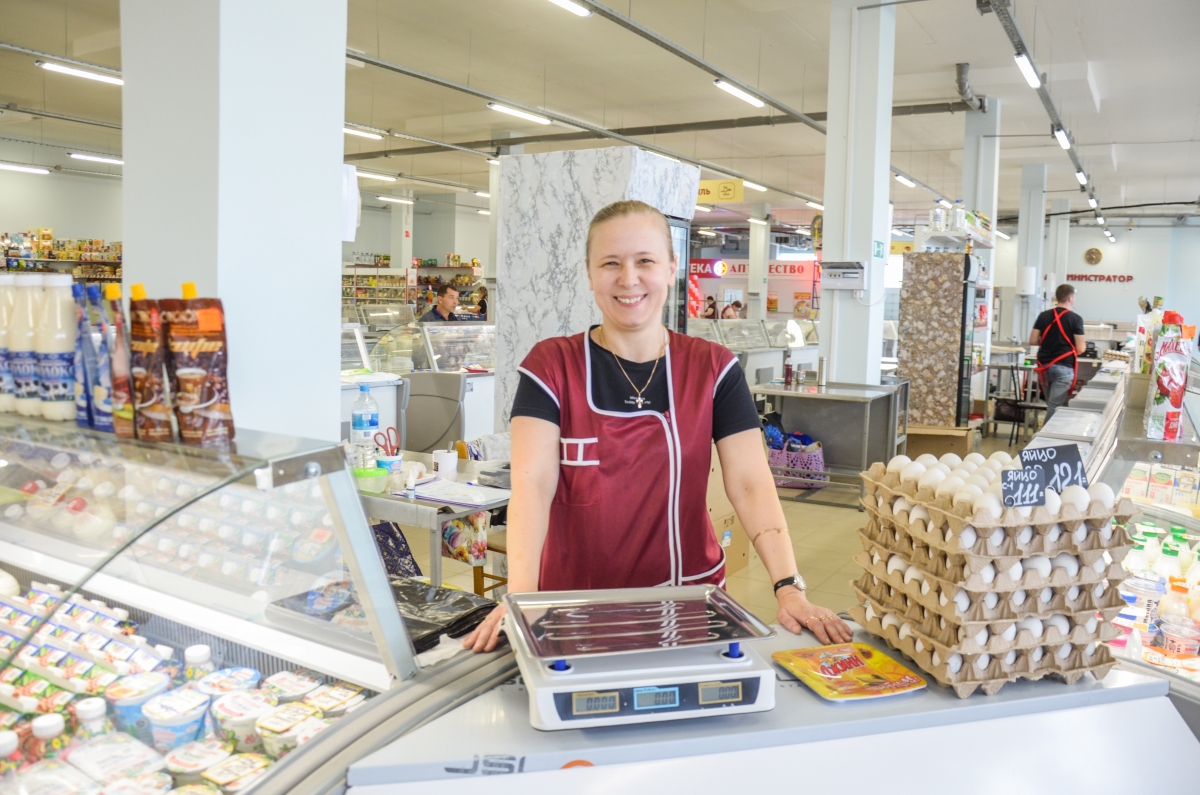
<point>388,441</point>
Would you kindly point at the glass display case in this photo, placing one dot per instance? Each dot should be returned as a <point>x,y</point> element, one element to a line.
<point>400,351</point>
<point>453,347</point>
<point>381,317</point>
<point>790,333</point>
<point>354,347</point>
<point>743,335</point>
<point>117,556</point>
<point>705,329</point>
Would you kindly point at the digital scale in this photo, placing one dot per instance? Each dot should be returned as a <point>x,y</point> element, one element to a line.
<point>637,655</point>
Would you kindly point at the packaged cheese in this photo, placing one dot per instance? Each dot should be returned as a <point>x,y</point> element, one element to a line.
<point>53,777</point>
<point>114,756</point>
<point>335,699</point>
<point>145,784</point>
<point>235,768</point>
<point>1186,482</point>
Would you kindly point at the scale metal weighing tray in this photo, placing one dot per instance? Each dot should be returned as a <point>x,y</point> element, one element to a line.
<point>637,655</point>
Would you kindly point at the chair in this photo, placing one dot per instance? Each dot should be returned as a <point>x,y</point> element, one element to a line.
<point>496,543</point>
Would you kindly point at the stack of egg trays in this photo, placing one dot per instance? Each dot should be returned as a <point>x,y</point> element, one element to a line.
<point>926,603</point>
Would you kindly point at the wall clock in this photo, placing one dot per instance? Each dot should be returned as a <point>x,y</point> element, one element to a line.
<point>1093,256</point>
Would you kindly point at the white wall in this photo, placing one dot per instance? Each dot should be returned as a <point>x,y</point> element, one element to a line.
<point>374,234</point>
<point>1183,282</point>
<point>1144,253</point>
<point>1004,263</point>
<point>450,223</point>
<point>74,205</point>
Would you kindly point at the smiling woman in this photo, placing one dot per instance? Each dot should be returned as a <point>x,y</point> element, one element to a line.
<point>612,435</point>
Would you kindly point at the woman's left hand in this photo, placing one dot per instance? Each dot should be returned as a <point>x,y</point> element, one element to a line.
<point>795,611</point>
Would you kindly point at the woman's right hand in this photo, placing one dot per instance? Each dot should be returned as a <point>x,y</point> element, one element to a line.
<point>485,636</point>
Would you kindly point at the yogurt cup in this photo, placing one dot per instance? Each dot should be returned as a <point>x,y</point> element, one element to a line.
<point>228,680</point>
<point>244,783</point>
<point>236,713</point>
<point>175,717</point>
<point>279,745</point>
<point>128,694</point>
<point>55,777</point>
<point>114,756</point>
<point>195,789</point>
<point>145,784</point>
<point>335,699</point>
<point>289,686</point>
<point>278,728</point>
<point>235,768</point>
<point>188,762</point>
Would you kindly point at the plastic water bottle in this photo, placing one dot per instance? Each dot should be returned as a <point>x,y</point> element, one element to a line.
<point>364,417</point>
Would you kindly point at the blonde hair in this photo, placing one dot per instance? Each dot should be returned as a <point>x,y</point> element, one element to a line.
<point>623,208</point>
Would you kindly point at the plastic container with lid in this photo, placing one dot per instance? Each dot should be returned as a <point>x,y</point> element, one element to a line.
<point>197,661</point>
<point>157,783</point>
<point>234,769</point>
<point>1175,603</point>
<point>228,680</point>
<point>176,717</point>
<point>1180,635</point>
<point>334,700</point>
<point>1167,565</point>
<point>291,686</point>
<point>128,694</point>
<point>115,756</point>
<point>286,728</point>
<point>8,302</point>
<point>1153,543</point>
<point>54,343</point>
<point>22,343</point>
<point>53,777</point>
<point>50,736</point>
<point>92,717</point>
<point>1147,591</point>
<point>237,712</point>
<point>187,763</point>
<point>11,757</point>
<point>1136,559</point>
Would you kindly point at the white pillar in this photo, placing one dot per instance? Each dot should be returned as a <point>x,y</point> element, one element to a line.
<point>857,184</point>
<point>981,179</point>
<point>1031,222</point>
<point>223,186</point>
<point>1056,246</point>
<point>402,241</point>
<point>756,269</point>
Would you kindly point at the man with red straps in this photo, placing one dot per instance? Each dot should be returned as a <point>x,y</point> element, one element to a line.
<point>1058,333</point>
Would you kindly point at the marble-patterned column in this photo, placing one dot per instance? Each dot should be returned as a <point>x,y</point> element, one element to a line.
<point>931,336</point>
<point>542,210</point>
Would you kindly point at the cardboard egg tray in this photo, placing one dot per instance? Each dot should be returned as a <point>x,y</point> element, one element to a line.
<point>997,673</point>
<point>957,635</point>
<point>966,570</point>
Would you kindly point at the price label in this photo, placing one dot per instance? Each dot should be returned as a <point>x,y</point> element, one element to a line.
<point>1023,487</point>
<point>1063,465</point>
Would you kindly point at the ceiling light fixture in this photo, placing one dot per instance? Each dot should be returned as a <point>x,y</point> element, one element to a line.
<point>945,203</point>
<point>1092,202</point>
<point>737,92</point>
<point>905,181</point>
<point>753,185</point>
<point>484,212</point>
<point>368,175</point>
<point>758,221</point>
<point>574,8</point>
<point>98,158</point>
<point>24,169</point>
<point>70,70</point>
<point>493,161</point>
<point>1079,175</point>
<point>518,113</point>
<point>1100,220</point>
<point>706,233</point>
<point>394,199</point>
<point>1027,71</point>
<point>898,232</point>
<point>703,209</point>
<point>815,206</point>
<point>362,133</point>
<point>1001,234</point>
<point>482,194</point>
<point>664,157</point>
<point>1063,139</point>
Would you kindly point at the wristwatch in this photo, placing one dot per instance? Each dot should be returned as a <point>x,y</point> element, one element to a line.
<point>795,580</point>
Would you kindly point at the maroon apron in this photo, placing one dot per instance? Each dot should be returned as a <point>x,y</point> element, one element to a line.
<point>631,506</point>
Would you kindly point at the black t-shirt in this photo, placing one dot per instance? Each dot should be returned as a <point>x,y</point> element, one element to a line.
<point>733,406</point>
<point>1053,345</point>
<point>483,308</point>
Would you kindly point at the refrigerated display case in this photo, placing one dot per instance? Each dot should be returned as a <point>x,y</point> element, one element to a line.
<point>761,362</point>
<point>705,329</point>
<point>454,346</point>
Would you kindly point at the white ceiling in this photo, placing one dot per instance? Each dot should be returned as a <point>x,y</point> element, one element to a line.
<point>1121,74</point>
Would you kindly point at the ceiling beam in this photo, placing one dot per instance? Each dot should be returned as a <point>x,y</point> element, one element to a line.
<point>59,116</point>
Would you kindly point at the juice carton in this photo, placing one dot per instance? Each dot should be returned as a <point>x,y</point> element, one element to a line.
<point>1162,484</point>
<point>1168,378</point>
<point>1186,483</point>
<point>1138,481</point>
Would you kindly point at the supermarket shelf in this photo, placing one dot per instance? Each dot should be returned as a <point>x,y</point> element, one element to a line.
<point>71,261</point>
<point>444,268</point>
<point>147,588</point>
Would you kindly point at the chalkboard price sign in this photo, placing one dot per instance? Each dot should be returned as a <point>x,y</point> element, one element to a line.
<point>1023,487</point>
<point>1063,465</point>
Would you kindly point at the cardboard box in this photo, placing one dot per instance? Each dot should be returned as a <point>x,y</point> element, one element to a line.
<point>726,525</point>
<point>1186,482</point>
<point>939,440</point>
<point>1162,484</point>
<point>1138,481</point>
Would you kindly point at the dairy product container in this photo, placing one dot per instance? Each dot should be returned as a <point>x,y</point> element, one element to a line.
<point>1162,484</point>
<point>115,756</point>
<point>227,680</point>
<point>286,728</point>
<point>237,712</point>
<point>54,343</point>
<point>128,694</point>
<point>197,662</point>
<point>175,717</point>
<point>54,777</point>
<point>8,302</point>
<point>22,339</point>
<point>291,686</point>
<point>146,784</point>
<point>92,717</point>
<point>188,762</point>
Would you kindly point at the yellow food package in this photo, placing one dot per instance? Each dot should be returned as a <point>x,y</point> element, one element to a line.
<point>849,671</point>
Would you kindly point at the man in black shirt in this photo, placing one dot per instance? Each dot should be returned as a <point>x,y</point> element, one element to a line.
<point>447,302</point>
<point>1058,333</point>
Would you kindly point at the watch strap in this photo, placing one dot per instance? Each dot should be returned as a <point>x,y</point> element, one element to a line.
<point>795,580</point>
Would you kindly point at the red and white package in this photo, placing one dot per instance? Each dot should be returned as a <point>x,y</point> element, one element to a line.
<point>1168,378</point>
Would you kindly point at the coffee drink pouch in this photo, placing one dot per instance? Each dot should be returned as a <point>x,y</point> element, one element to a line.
<point>147,359</point>
<point>118,352</point>
<point>199,378</point>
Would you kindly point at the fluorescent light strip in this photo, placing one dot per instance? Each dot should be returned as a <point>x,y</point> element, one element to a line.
<point>484,212</point>
<point>24,169</point>
<point>1027,71</point>
<point>1079,175</point>
<point>574,8</point>
<point>70,70</point>
<point>1100,220</point>
<point>758,221</point>
<point>1001,234</point>
<point>945,203</point>
<point>482,194</point>
<point>362,133</point>
<point>493,161</point>
<point>753,185</point>
<point>898,232</point>
<point>737,92</point>
<point>664,157</point>
<point>518,113</point>
<point>703,209</point>
<point>98,159</point>
<point>905,181</point>
<point>706,233</point>
<point>369,175</point>
<point>1063,139</point>
<point>394,199</point>
<point>815,206</point>
<point>1092,202</point>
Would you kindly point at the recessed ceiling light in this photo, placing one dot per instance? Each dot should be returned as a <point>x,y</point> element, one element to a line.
<point>394,199</point>
<point>758,221</point>
<point>369,175</point>
<point>481,193</point>
<point>98,158</point>
<point>753,185</point>
<point>574,8</point>
<point>815,206</point>
<point>1079,175</point>
<point>1063,139</point>
<point>484,212</point>
<point>706,233</point>
<point>1092,202</point>
<point>703,209</point>
<point>1027,70</point>
<point>70,70</point>
<point>362,133</point>
<point>737,92</point>
<point>24,169</point>
<point>903,180</point>
<point>518,113</point>
<point>1001,234</point>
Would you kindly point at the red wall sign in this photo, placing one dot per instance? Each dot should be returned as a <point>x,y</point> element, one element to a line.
<point>1099,277</point>
<point>716,268</point>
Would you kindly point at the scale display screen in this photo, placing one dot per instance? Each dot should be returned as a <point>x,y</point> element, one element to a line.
<point>630,701</point>
<point>720,692</point>
<point>595,703</point>
<point>655,697</point>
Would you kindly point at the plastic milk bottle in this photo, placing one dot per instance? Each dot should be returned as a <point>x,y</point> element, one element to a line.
<point>55,346</point>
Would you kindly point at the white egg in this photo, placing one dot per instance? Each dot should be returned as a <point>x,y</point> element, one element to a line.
<point>985,473</point>
<point>919,646</point>
<point>905,630</point>
<point>1053,502</point>
<point>942,599</point>
<point>962,473</point>
<point>931,478</point>
<point>1052,535</point>
<point>1104,493</point>
<point>950,459</point>
<point>879,500</point>
<point>930,552</point>
<point>994,466</point>
<point>996,539</point>
<point>1077,496</point>
<point>913,573</point>
<point>1038,563</point>
<point>990,599</point>
<point>1100,588</point>
<point>1033,624</point>
<point>926,459</point>
<point>1090,625</point>
<point>901,505</point>
<point>870,611</point>
<point>974,458</point>
<point>1036,654</point>
<point>1000,456</point>
<point>924,586</point>
<point>996,487</point>
<point>983,661</point>
<point>962,600</point>
<point>898,463</point>
<point>978,481</point>
<point>1072,593</point>
<point>1010,657</point>
<point>967,538</point>
<point>988,505</point>
<point>1099,566</point>
<point>988,573</point>
<point>876,557</point>
<point>937,659</point>
<point>981,637</point>
<point>1024,511</point>
<point>890,620</point>
<point>1106,532</point>
<point>1015,572</point>
<point>954,663</point>
<point>969,465</point>
<point>874,580</point>
<point>942,622</point>
<point>1080,534</point>
<point>967,494</point>
<point>1010,633</point>
<point>1059,622</point>
<point>912,472</point>
<point>1065,560</point>
<point>918,514</point>
<point>1025,534</point>
<point>1017,598</point>
<point>1064,651</point>
<point>1089,650</point>
<point>896,563</point>
<point>947,487</point>
<point>1045,595</point>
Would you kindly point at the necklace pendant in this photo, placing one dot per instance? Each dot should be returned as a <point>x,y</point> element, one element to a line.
<point>639,402</point>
